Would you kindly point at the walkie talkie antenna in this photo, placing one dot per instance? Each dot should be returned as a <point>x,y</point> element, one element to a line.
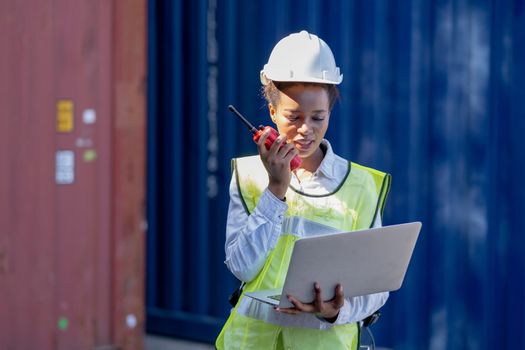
<point>244,120</point>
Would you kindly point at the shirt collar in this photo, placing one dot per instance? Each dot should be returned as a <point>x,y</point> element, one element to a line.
<point>327,164</point>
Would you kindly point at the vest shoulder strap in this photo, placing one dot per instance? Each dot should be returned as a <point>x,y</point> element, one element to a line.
<point>256,179</point>
<point>383,181</point>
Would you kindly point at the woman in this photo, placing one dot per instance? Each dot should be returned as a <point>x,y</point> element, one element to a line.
<point>271,207</point>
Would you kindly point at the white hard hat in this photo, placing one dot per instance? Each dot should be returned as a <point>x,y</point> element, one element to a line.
<point>301,57</point>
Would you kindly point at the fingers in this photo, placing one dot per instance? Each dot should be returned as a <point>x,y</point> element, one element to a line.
<point>297,308</point>
<point>303,307</point>
<point>339,297</point>
<point>277,158</point>
<point>328,309</point>
<point>279,148</point>
<point>318,301</point>
<point>288,310</point>
<point>294,310</point>
<point>314,307</point>
<point>262,141</point>
<point>290,154</point>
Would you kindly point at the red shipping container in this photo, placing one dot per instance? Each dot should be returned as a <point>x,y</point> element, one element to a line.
<point>72,184</point>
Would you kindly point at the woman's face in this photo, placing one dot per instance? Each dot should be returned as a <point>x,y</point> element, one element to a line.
<point>302,114</point>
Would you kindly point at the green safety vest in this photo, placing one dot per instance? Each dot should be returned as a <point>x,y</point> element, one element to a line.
<point>351,206</point>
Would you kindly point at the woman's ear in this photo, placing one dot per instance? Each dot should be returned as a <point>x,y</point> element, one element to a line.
<point>273,112</point>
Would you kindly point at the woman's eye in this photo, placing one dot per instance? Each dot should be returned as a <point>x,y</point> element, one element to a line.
<point>292,118</point>
<point>318,118</point>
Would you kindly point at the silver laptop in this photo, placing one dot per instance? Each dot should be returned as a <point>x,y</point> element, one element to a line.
<point>364,262</point>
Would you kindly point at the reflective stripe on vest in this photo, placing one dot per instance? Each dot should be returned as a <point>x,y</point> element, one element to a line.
<point>352,206</point>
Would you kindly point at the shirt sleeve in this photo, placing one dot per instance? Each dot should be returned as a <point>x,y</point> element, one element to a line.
<point>356,309</point>
<point>250,238</point>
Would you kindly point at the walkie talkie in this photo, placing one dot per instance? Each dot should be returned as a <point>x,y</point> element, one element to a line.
<point>272,136</point>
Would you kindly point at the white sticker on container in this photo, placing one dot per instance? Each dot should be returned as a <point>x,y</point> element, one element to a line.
<point>89,116</point>
<point>83,142</point>
<point>131,321</point>
<point>65,167</point>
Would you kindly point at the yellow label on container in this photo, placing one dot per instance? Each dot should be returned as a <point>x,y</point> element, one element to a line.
<point>65,115</point>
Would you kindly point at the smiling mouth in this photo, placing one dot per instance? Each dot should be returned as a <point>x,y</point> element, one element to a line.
<point>302,146</point>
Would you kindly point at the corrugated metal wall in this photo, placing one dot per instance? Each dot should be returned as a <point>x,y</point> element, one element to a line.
<point>72,224</point>
<point>433,92</point>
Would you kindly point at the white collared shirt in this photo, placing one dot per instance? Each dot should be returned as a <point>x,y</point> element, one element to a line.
<point>250,238</point>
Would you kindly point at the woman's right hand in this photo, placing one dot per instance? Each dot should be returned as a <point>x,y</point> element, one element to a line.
<point>277,160</point>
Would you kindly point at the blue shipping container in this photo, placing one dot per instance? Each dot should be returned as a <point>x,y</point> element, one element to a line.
<point>433,92</point>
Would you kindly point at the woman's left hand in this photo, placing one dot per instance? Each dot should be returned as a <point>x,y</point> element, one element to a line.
<point>327,309</point>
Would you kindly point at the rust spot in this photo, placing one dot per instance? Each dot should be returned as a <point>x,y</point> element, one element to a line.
<point>3,262</point>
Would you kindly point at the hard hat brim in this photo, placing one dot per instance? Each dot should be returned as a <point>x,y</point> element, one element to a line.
<point>265,79</point>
